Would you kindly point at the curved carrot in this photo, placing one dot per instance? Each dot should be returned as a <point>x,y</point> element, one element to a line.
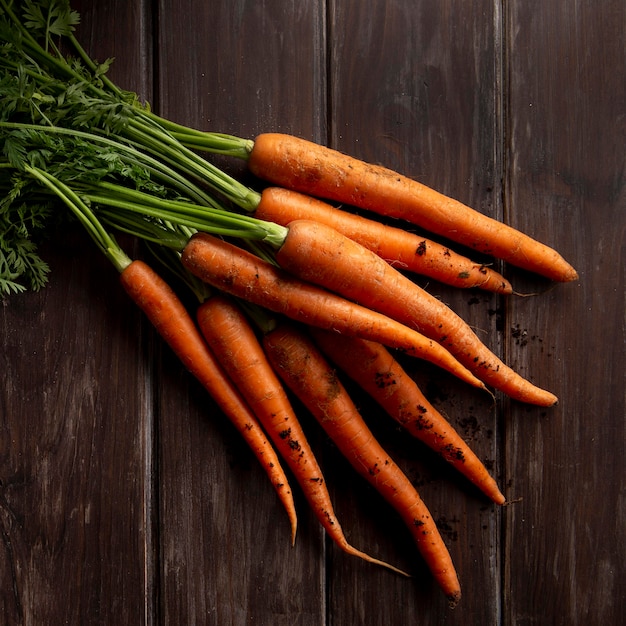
<point>172,321</point>
<point>242,274</point>
<point>375,370</point>
<point>227,331</point>
<point>317,253</point>
<point>305,371</point>
<point>314,169</point>
<point>398,247</point>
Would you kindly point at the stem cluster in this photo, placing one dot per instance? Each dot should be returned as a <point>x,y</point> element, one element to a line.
<point>68,132</point>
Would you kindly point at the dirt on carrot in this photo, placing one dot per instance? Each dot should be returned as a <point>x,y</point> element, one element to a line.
<point>307,373</point>
<point>244,275</point>
<point>233,339</point>
<point>317,253</point>
<point>170,318</point>
<point>376,371</point>
<point>399,247</point>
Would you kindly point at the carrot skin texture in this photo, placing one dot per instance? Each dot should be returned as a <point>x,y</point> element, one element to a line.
<point>242,274</point>
<point>229,334</point>
<point>375,370</point>
<point>172,321</point>
<point>317,253</point>
<point>306,372</point>
<point>398,247</point>
<point>313,169</point>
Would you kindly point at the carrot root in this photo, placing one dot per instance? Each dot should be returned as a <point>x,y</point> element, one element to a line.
<point>242,274</point>
<point>306,372</point>
<point>229,334</point>
<point>317,253</point>
<point>375,370</point>
<point>398,247</point>
<point>313,169</point>
<point>172,321</point>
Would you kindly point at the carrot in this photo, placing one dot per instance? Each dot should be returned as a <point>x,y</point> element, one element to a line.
<point>314,169</point>
<point>317,253</point>
<point>375,370</point>
<point>305,371</point>
<point>170,318</point>
<point>400,248</point>
<point>242,274</point>
<point>227,331</point>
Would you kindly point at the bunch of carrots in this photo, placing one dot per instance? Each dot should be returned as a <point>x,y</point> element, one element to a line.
<point>294,293</point>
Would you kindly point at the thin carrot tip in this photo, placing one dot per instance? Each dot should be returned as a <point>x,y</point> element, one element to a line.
<point>454,599</point>
<point>370,559</point>
<point>392,568</point>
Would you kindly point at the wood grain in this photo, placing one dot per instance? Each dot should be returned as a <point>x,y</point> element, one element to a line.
<point>566,182</point>
<point>76,414</point>
<point>127,498</point>
<point>241,568</point>
<point>406,94</point>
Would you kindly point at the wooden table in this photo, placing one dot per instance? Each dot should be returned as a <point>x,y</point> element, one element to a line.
<point>127,498</point>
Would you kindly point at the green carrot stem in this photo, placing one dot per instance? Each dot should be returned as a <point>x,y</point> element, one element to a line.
<point>132,154</point>
<point>197,217</point>
<point>215,143</point>
<point>85,215</point>
<point>171,150</point>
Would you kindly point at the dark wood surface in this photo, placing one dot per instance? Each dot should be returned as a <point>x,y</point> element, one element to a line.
<point>127,498</point>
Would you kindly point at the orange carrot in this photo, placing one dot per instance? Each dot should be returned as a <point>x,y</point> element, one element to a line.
<point>230,336</point>
<point>242,274</point>
<point>400,248</point>
<point>170,318</point>
<point>317,253</point>
<point>376,371</point>
<point>304,166</point>
<point>305,371</point>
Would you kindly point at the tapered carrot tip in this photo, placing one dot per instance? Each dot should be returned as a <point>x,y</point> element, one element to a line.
<point>454,599</point>
<point>500,499</point>
<point>547,399</point>
<point>370,559</point>
<point>568,272</point>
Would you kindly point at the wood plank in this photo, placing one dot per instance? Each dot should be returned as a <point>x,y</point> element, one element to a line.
<point>565,544</point>
<point>414,86</point>
<point>246,67</point>
<point>75,423</point>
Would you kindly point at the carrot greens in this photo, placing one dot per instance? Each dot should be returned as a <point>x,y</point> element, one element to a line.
<point>62,116</point>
